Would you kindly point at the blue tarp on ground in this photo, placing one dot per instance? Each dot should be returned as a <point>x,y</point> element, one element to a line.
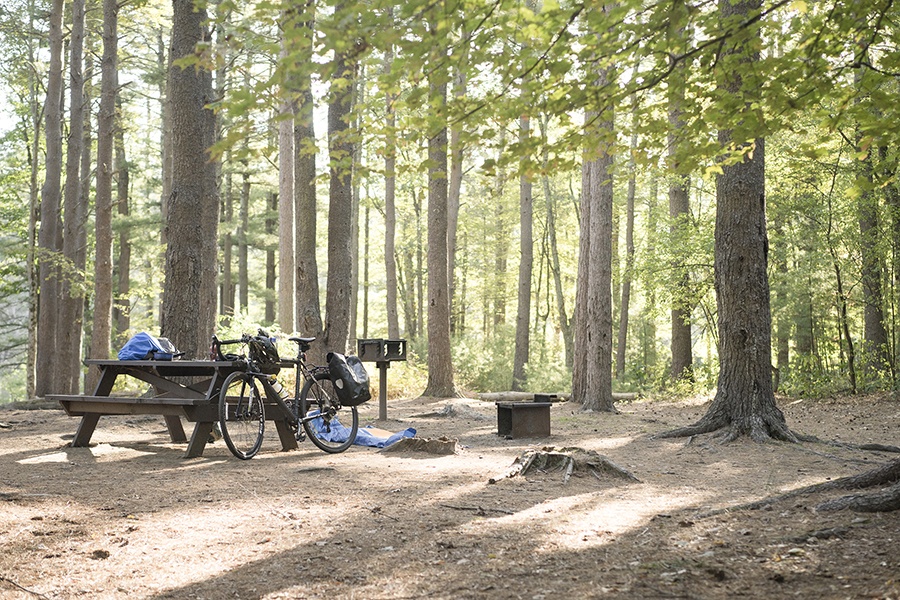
<point>364,437</point>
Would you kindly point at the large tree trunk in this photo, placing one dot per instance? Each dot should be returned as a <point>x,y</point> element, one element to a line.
<point>286,286</point>
<point>50,235</point>
<point>106,122</point>
<point>592,372</point>
<point>745,402</point>
<point>309,315</point>
<point>340,210</point>
<point>72,294</point>
<point>440,363</point>
<point>526,260</point>
<point>189,306</point>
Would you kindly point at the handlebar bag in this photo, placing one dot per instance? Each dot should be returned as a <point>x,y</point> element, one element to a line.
<point>350,379</point>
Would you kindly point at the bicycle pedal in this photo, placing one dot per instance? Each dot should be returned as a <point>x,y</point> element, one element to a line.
<point>301,436</point>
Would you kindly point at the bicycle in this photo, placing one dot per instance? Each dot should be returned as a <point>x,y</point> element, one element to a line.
<point>242,410</point>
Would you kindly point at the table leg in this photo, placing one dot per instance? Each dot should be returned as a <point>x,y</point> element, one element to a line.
<point>198,439</point>
<point>288,441</point>
<point>176,431</point>
<point>85,430</point>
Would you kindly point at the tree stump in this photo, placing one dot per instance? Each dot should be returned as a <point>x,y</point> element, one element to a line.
<point>567,461</point>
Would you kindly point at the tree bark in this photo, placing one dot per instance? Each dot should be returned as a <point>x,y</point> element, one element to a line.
<point>565,324</point>
<point>592,372</point>
<point>340,209</point>
<point>745,402</point>
<point>50,234</point>
<point>679,208</point>
<point>122,302</point>
<point>309,316</point>
<point>526,261</point>
<point>390,209</point>
<point>189,305</point>
<point>875,348</point>
<point>286,159</point>
<point>72,294</point>
<point>106,122</point>
<point>271,264</point>
<point>440,363</point>
<point>627,276</point>
<point>457,156</point>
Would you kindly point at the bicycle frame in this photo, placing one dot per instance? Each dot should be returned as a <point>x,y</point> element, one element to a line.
<point>310,414</point>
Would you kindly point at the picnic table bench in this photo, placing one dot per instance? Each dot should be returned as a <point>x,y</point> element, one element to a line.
<point>187,389</point>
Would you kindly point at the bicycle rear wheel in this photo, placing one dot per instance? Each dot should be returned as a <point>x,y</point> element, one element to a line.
<point>241,415</point>
<point>319,408</point>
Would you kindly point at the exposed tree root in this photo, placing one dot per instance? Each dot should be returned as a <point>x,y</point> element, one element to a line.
<point>760,428</point>
<point>885,500</point>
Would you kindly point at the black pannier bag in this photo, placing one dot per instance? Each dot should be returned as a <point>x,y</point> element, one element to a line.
<point>351,382</point>
<point>263,350</point>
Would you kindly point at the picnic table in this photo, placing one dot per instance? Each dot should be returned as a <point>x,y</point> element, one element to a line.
<point>179,389</point>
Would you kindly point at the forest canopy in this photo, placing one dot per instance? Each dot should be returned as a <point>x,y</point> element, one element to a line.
<point>326,108</point>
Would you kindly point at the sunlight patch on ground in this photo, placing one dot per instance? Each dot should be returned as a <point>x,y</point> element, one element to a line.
<point>609,443</point>
<point>55,457</point>
<point>589,519</point>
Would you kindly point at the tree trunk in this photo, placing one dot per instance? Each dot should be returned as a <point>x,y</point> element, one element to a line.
<point>243,235</point>
<point>526,261</point>
<point>872,269</point>
<point>50,234</point>
<point>122,303</point>
<point>592,373</point>
<point>629,263</point>
<point>440,363</point>
<point>390,210</point>
<point>309,316</point>
<point>501,242</point>
<point>274,202</point>
<point>745,402</point>
<point>226,294</point>
<point>598,323</point>
<point>286,155</point>
<point>106,122</point>
<point>68,369</point>
<point>457,156</point>
<point>565,324</point>
<point>189,306</point>
<point>358,98</point>
<point>679,208</point>
<point>340,210</point>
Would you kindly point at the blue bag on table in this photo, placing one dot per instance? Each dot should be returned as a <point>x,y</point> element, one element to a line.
<point>144,346</point>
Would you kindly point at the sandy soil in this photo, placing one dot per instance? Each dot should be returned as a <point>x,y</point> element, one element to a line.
<point>130,517</point>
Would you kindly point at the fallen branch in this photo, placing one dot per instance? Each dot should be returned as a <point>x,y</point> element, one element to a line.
<point>479,510</point>
<point>24,589</point>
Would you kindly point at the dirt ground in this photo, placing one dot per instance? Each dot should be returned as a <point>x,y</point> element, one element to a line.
<point>130,517</point>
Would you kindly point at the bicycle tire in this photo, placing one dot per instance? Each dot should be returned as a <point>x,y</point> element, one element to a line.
<point>242,415</point>
<point>326,431</point>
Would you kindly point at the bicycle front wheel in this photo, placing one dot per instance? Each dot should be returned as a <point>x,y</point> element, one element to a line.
<point>319,407</point>
<point>241,415</point>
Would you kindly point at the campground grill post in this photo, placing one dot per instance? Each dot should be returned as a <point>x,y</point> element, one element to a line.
<point>382,352</point>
